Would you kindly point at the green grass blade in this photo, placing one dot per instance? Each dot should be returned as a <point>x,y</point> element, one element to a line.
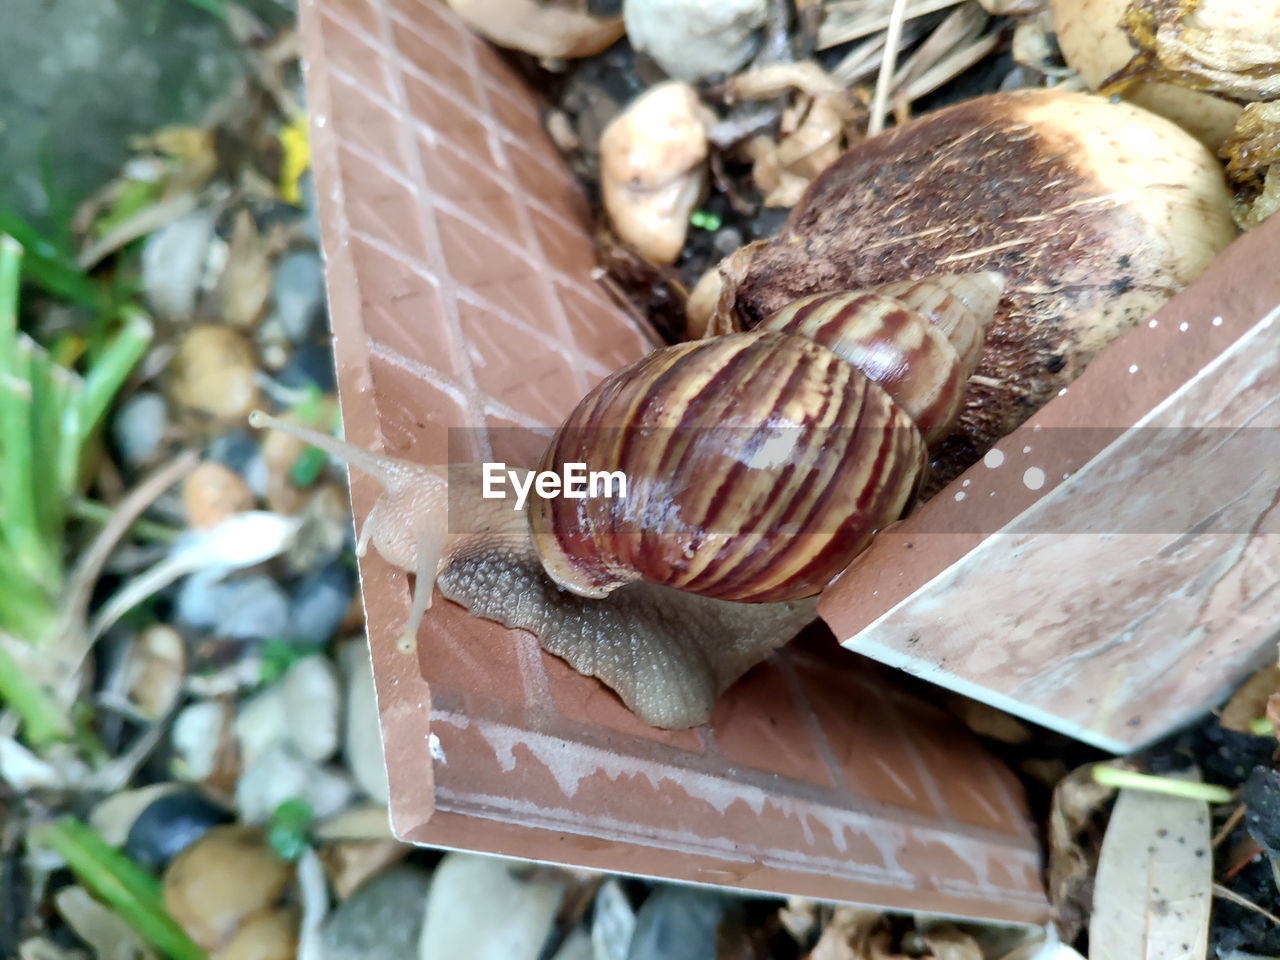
<point>129,890</point>
<point>10,271</point>
<point>68,453</point>
<point>111,367</point>
<point>48,394</point>
<point>43,721</point>
<point>52,269</point>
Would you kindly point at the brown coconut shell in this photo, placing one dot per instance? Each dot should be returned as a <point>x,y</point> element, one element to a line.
<point>1096,213</point>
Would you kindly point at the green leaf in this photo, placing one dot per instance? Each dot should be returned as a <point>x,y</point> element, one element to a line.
<point>120,883</point>
<point>111,368</point>
<point>306,469</point>
<point>279,655</point>
<point>49,266</point>
<point>43,721</point>
<point>287,834</point>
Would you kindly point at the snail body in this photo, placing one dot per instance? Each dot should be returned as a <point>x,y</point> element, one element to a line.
<point>759,463</point>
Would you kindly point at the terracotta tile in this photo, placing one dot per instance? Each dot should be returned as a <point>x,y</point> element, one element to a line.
<point>415,414</point>
<point>478,259</point>
<point>380,205</point>
<point>594,331</point>
<point>355,56</point>
<point>445,66</point>
<point>513,366</point>
<point>870,750</point>
<point>403,309</point>
<point>590,702</point>
<point>758,724</point>
<point>546,184</point>
<point>362,13</point>
<point>433,19</point>
<point>447,117</point>
<point>519,117</point>
<point>369,126</point>
<point>462,659</point>
<point>514,444</point>
<point>456,176</point>
<point>567,249</point>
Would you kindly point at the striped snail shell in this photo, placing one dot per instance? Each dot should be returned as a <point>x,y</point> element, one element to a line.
<point>760,463</point>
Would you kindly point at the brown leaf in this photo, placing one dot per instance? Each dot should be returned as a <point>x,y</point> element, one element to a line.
<point>1249,703</point>
<point>1074,840</point>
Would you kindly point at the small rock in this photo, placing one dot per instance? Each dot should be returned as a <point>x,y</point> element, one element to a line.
<point>214,373</point>
<point>235,449</point>
<point>325,532</point>
<point>310,364</point>
<point>280,451</point>
<point>653,170</point>
<point>138,427</point>
<point>309,690</point>
<point>478,908</point>
<point>198,735</point>
<point>613,922</point>
<point>362,740</point>
<point>693,40</point>
<point>320,602</point>
<point>173,262</point>
<point>267,935</point>
<point>301,711</point>
<point>157,665</point>
<point>677,923</point>
<point>383,918</point>
<point>220,881</point>
<point>576,946</point>
<point>211,493</point>
<point>281,774</point>
<point>298,293</point>
<point>170,824</point>
<point>542,29</point>
<point>253,608</point>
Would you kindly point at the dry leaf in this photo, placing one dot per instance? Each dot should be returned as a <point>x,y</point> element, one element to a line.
<point>1249,703</point>
<point>775,79</point>
<point>109,936</point>
<point>1154,887</point>
<point>1073,848</point>
<point>848,935</point>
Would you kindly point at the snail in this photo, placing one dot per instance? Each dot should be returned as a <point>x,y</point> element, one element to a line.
<point>760,464</point>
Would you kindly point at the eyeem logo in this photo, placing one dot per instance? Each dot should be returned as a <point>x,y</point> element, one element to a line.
<point>575,483</point>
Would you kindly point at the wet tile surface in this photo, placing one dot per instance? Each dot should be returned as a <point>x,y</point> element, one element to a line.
<point>459,267</point>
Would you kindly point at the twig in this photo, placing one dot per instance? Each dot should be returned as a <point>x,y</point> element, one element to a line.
<point>1236,816</point>
<point>1190,789</point>
<point>1223,893</point>
<point>79,592</point>
<point>884,81</point>
<point>855,19</point>
<point>952,66</point>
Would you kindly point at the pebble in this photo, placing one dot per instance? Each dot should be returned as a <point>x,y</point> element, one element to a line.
<point>297,291</point>
<point>382,918</point>
<point>677,923</point>
<point>362,739</point>
<point>320,601</point>
<point>173,262</point>
<point>301,711</point>
<point>235,449</point>
<point>170,824</point>
<point>281,774</point>
<point>576,946</point>
<point>326,530</point>
<point>214,373</point>
<point>653,169</point>
<point>309,364</point>
<point>543,29</point>
<point>138,427</point>
<point>196,738</point>
<point>252,608</point>
<point>279,452</point>
<point>478,908</point>
<point>268,935</point>
<point>613,922</point>
<point>220,881</point>
<point>211,493</point>
<point>693,40</point>
<point>157,666</point>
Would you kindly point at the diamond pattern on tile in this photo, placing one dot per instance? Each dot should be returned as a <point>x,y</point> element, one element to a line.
<point>460,256</point>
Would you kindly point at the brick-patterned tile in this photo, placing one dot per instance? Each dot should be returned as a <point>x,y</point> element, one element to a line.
<point>415,414</point>
<point>448,118</point>
<point>380,205</point>
<point>371,127</point>
<point>440,64</point>
<point>355,56</point>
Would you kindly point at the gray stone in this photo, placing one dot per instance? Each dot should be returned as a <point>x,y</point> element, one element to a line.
<point>254,608</point>
<point>382,919</point>
<point>613,922</point>
<point>576,946</point>
<point>362,738</point>
<point>320,601</point>
<point>298,293</point>
<point>677,923</point>
<point>81,77</point>
<point>138,427</point>
<point>280,773</point>
<point>173,262</point>
<point>691,39</point>
<point>479,909</point>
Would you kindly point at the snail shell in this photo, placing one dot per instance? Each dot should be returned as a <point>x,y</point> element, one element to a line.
<point>760,463</point>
